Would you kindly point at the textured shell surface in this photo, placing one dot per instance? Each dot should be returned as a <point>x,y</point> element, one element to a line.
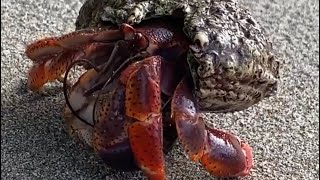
<point>231,60</point>
<point>94,12</point>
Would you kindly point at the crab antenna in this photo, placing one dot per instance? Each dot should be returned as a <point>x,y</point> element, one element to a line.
<point>166,103</point>
<point>65,90</point>
<point>112,56</point>
<point>142,54</point>
<point>107,68</point>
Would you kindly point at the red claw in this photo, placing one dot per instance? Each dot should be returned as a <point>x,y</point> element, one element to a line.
<point>110,136</point>
<point>143,104</point>
<point>143,90</point>
<point>220,153</point>
<point>49,70</point>
<point>146,143</point>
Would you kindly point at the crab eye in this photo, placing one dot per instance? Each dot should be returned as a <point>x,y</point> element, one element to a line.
<point>201,39</point>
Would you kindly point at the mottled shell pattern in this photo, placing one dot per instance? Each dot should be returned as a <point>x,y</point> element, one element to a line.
<point>231,60</point>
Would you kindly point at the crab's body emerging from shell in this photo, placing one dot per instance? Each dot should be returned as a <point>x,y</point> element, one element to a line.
<point>140,56</point>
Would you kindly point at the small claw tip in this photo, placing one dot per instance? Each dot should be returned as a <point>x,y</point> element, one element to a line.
<point>247,150</point>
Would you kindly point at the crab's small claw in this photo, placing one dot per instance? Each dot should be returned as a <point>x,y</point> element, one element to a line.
<point>143,105</point>
<point>221,153</point>
<point>51,69</point>
<point>37,77</point>
<point>45,48</point>
<point>52,56</point>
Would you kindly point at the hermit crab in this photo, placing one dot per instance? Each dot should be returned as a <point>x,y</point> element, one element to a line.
<point>152,69</point>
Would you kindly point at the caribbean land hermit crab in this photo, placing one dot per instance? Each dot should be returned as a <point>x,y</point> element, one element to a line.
<point>140,56</point>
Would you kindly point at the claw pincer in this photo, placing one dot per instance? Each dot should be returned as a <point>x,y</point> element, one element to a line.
<point>219,152</point>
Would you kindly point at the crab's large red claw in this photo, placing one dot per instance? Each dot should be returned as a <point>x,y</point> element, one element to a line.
<point>146,144</point>
<point>143,104</point>
<point>143,88</point>
<point>51,69</point>
<point>110,137</point>
<point>221,153</point>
